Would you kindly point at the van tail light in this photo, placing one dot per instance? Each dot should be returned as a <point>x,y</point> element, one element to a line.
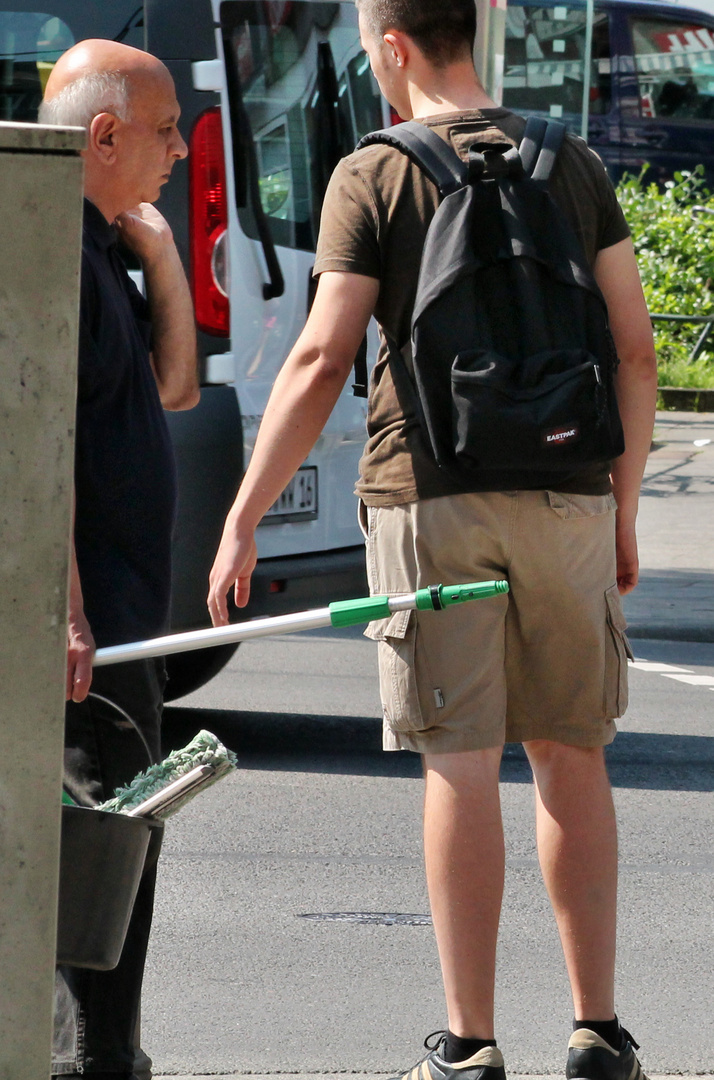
<point>394,116</point>
<point>208,224</point>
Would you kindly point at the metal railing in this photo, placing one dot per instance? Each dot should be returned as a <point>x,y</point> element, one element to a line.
<point>706,320</point>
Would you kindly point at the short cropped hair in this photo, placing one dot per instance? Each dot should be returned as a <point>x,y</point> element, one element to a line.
<point>444,30</point>
<point>80,101</point>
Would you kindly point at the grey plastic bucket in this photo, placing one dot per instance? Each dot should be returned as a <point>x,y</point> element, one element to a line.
<point>101,862</point>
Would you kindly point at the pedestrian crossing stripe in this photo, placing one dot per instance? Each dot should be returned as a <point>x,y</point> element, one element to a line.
<point>670,671</point>
<point>660,669</point>
<point>693,680</point>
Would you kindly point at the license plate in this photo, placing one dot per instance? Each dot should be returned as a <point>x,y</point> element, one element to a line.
<point>299,500</point>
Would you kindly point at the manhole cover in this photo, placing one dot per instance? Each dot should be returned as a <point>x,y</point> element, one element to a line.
<point>382,918</point>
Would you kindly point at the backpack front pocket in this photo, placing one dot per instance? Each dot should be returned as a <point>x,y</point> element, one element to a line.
<point>545,413</point>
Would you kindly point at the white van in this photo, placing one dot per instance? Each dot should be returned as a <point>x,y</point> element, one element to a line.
<point>272,95</point>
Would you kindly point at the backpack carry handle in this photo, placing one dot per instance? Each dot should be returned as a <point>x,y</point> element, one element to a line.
<point>491,163</point>
<point>538,150</point>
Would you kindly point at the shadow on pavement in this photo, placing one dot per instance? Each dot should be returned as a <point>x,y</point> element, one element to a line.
<point>351,746</point>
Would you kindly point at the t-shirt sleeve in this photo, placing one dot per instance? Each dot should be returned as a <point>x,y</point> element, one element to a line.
<point>614,227</point>
<point>349,226</point>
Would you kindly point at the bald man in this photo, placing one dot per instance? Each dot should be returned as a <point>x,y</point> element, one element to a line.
<point>137,357</point>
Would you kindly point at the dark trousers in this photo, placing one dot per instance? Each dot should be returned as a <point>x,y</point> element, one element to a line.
<point>96,1011</point>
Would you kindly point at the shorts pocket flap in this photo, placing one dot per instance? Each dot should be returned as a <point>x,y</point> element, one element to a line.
<point>395,626</point>
<point>615,613</point>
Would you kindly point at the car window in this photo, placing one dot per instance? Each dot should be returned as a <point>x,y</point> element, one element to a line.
<point>308,95</point>
<point>674,65</point>
<point>544,62</point>
<point>31,42</point>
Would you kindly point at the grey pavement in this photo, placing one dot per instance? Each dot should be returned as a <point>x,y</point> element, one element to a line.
<point>674,602</point>
<point>675,597</point>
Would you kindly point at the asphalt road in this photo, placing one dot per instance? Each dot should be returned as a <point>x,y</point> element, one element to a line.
<point>291,932</point>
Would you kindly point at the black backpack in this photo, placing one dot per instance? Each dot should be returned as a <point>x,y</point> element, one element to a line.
<point>512,355</point>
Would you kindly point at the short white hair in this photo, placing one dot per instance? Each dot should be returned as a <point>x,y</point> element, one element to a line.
<point>80,101</point>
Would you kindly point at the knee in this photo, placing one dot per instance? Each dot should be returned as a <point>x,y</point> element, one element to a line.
<point>466,767</point>
<point>559,763</point>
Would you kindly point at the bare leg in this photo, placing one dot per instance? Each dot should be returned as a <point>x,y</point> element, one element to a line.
<point>577,848</point>
<point>464,853</point>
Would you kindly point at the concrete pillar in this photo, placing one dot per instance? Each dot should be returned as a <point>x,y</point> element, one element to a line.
<point>40,243</point>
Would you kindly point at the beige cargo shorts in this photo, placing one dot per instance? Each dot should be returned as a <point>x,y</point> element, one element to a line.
<point>546,661</point>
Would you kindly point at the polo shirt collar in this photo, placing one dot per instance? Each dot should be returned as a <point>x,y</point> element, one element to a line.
<point>97,227</point>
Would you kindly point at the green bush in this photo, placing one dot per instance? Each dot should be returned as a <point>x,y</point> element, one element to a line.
<point>675,252</point>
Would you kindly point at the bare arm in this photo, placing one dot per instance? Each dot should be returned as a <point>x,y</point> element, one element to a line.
<point>636,385</point>
<point>80,643</point>
<point>304,394</point>
<point>174,350</point>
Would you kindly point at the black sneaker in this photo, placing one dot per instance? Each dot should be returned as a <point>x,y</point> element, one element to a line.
<point>591,1058</point>
<point>487,1064</point>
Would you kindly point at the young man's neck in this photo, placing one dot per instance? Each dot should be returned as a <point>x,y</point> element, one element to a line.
<point>453,89</point>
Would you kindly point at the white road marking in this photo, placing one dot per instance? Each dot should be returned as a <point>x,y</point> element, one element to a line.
<point>660,669</point>
<point>693,680</point>
<point>670,671</point>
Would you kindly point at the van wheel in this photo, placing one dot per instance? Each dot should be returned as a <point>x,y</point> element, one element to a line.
<point>189,671</point>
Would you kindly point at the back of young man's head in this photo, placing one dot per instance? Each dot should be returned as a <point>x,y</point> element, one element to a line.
<point>443,30</point>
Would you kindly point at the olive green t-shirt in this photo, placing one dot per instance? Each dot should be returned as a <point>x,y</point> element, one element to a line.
<point>375,217</point>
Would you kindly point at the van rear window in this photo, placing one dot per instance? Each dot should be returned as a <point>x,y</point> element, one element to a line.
<point>307,93</point>
<point>32,41</point>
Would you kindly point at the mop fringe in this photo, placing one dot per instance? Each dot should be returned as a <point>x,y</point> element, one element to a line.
<point>204,749</point>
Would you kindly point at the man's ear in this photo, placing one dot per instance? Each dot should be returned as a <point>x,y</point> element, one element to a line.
<point>398,46</point>
<point>101,137</point>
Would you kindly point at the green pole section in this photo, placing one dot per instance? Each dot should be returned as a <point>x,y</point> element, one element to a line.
<point>435,597</point>
<point>365,609</point>
<point>432,598</point>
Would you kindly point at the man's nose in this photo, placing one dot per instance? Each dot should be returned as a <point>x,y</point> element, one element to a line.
<point>179,148</point>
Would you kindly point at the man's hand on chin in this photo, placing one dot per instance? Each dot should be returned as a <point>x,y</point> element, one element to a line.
<point>145,231</point>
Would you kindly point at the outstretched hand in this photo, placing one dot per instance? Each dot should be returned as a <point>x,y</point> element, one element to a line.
<point>233,566</point>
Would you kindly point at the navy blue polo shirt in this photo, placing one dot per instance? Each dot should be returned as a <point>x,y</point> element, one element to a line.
<point>125,474</point>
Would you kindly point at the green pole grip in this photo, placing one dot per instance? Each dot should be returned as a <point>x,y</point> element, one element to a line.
<point>353,612</point>
<point>435,597</point>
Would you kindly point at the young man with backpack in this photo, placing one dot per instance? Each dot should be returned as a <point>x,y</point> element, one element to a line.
<point>545,665</point>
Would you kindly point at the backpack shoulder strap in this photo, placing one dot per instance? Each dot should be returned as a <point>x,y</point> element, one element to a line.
<point>435,157</point>
<point>539,147</point>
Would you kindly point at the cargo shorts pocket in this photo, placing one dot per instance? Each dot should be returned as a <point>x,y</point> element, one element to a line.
<point>408,701</point>
<point>617,653</point>
<point>579,506</point>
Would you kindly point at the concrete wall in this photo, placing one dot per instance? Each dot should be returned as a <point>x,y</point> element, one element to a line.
<point>40,234</point>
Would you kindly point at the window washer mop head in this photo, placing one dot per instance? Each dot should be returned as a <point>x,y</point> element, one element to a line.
<point>164,788</point>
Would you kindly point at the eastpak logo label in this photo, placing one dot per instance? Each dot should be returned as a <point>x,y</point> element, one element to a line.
<point>561,435</point>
